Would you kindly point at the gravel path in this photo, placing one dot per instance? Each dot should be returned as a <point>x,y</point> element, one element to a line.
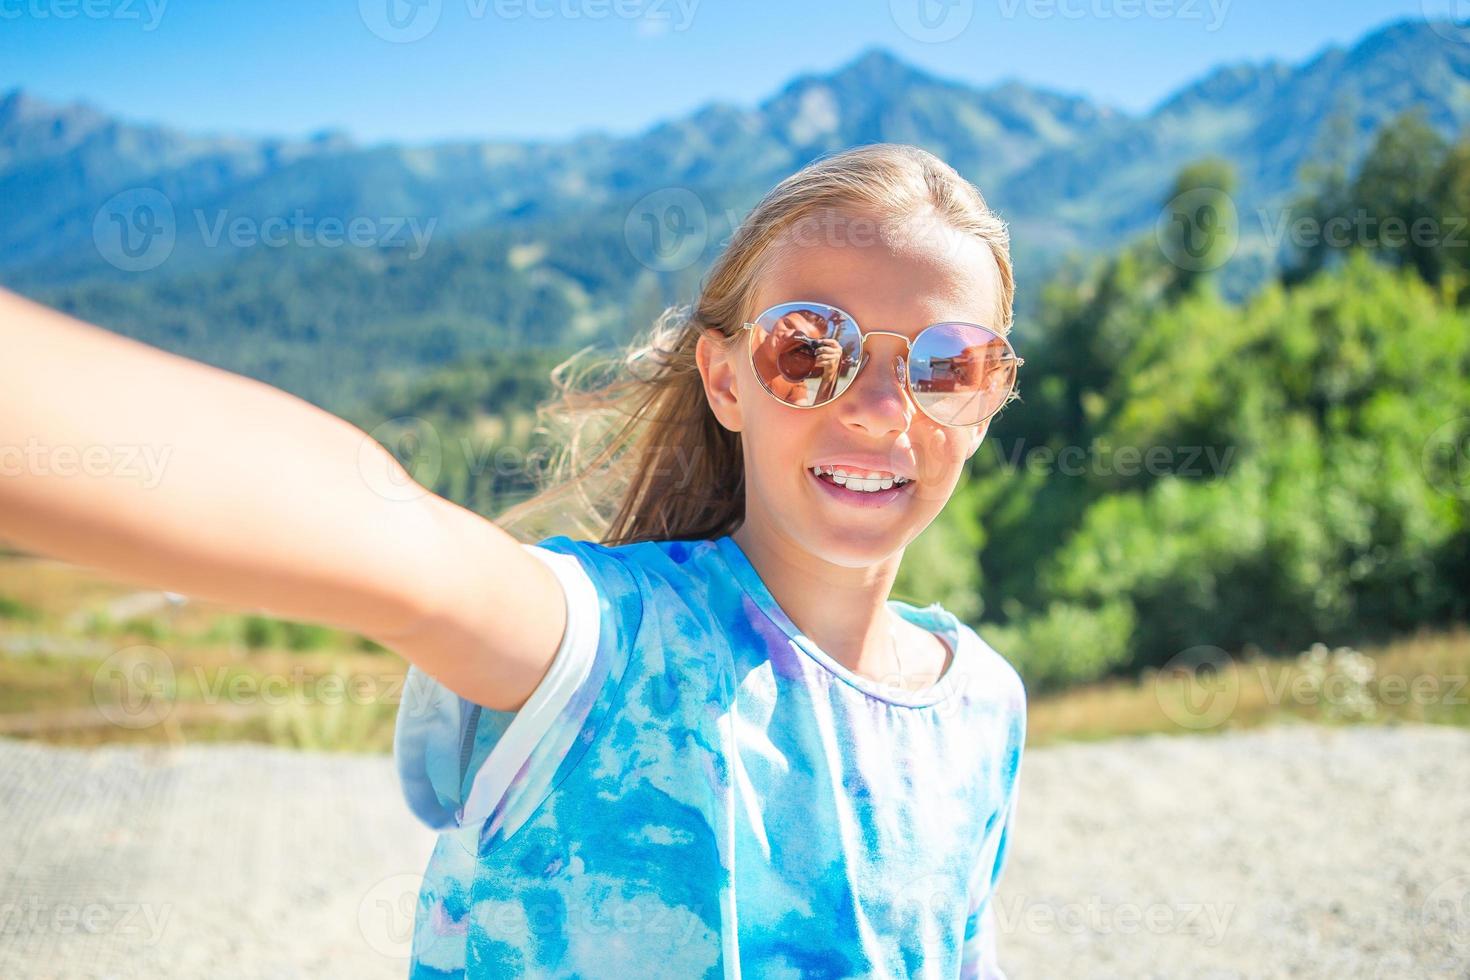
<point>1288,852</point>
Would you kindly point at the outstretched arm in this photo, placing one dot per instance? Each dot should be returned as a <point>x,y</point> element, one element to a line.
<point>171,473</point>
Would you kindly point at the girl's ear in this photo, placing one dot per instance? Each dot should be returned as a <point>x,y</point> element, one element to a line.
<point>717,368</point>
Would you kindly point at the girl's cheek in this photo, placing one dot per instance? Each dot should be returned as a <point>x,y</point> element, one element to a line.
<point>941,454</point>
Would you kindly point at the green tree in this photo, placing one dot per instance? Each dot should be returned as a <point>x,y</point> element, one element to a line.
<point>1450,194</point>
<point>1199,228</point>
<point>1328,523</point>
<point>1326,201</point>
<point>1392,194</point>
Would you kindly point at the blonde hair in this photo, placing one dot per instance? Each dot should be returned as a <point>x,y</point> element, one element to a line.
<point>640,449</point>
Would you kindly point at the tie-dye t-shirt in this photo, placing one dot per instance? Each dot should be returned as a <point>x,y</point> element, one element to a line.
<point>695,789</point>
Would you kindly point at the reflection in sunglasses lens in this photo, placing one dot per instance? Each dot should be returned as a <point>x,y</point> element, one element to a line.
<point>806,354</point>
<point>961,374</point>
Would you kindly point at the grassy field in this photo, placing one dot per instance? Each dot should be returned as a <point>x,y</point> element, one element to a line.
<point>85,661</point>
<point>1420,678</point>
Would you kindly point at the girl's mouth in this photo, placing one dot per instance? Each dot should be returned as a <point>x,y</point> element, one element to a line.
<point>860,498</point>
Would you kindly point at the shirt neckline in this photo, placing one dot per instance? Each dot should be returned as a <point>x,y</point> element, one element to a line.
<point>934,618</point>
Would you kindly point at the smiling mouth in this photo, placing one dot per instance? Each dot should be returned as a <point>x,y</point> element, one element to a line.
<point>857,491</point>
<point>858,484</point>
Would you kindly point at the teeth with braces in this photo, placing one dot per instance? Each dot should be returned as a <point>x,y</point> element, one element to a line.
<point>854,482</point>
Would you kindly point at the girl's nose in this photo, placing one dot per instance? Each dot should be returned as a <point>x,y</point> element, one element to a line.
<point>893,384</point>
<point>897,367</point>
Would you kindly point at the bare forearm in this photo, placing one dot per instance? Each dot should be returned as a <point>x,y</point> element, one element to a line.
<point>168,472</point>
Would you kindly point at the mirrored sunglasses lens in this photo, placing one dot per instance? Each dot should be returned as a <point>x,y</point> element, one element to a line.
<point>804,353</point>
<point>962,373</point>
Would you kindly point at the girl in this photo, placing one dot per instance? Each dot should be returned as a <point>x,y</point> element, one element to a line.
<point>709,745</point>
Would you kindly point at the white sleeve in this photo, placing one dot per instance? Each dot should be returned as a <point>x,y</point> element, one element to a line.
<point>438,734</point>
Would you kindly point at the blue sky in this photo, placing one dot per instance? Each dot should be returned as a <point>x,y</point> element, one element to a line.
<point>554,68</point>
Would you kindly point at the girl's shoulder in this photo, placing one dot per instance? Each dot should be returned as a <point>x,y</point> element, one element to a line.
<point>1001,689</point>
<point>981,671</point>
<point>674,561</point>
<point>648,578</point>
<point>997,668</point>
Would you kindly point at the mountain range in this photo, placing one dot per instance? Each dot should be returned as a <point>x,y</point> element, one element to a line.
<point>532,242</point>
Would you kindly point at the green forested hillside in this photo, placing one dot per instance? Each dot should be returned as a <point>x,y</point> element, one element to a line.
<point>469,432</point>
<point>1184,471</point>
<point>334,328</point>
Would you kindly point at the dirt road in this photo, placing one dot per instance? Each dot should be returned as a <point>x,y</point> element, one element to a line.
<point>1301,852</point>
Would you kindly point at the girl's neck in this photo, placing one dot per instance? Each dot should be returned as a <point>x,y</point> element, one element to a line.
<point>843,610</point>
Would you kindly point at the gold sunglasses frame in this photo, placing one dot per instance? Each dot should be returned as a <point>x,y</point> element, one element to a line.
<point>863,335</point>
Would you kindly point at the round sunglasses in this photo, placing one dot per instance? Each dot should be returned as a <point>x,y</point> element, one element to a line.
<point>807,354</point>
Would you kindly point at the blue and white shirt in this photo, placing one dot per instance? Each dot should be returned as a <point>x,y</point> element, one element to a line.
<point>695,789</point>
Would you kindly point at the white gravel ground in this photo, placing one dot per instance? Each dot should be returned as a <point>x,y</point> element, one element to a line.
<point>1290,852</point>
